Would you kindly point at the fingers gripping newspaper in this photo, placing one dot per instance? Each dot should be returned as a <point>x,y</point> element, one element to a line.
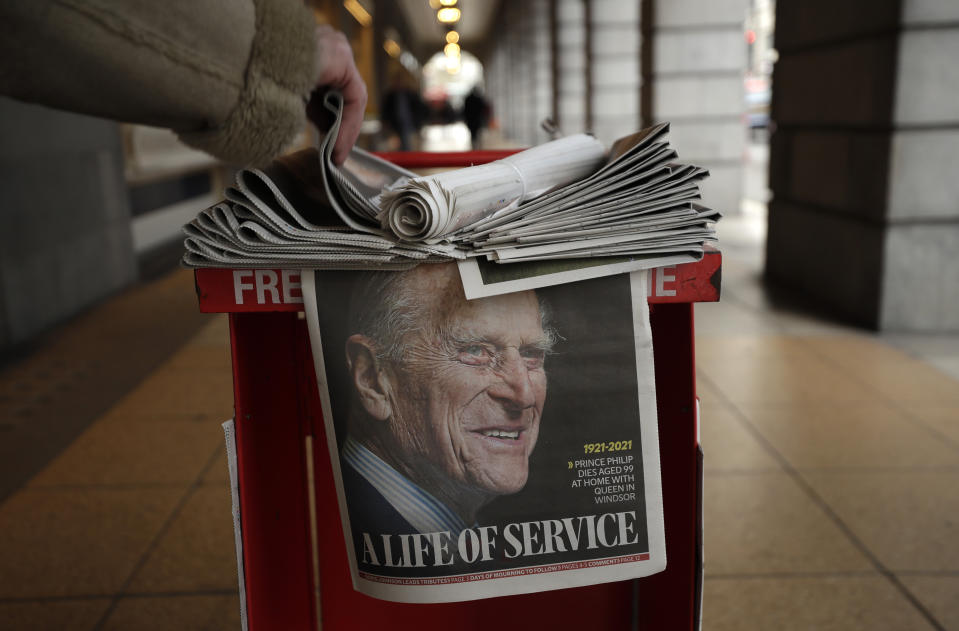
<point>488,447</point>
<point>304,211</point>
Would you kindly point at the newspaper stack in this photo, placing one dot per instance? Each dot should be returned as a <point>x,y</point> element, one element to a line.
<point>566,199</point>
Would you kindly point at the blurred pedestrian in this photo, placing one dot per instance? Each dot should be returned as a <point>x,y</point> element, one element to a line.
<point>476,113</point>
<point>403,111</point>
<point>230,77</point>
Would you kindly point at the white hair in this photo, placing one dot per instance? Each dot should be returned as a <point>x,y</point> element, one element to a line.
<point>385,308</point>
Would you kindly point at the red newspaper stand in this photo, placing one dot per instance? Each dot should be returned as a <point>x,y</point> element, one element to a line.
<point>294,564</point>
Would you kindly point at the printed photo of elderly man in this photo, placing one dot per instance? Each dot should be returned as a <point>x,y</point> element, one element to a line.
<point>447,400</point>
<point>453,415</point>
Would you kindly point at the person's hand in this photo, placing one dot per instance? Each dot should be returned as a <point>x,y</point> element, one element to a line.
<point>335,69</point>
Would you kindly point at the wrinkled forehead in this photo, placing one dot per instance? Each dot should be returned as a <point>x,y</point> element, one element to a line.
<point>510,318</point>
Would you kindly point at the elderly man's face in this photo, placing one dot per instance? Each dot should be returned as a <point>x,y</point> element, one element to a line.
<point>467,406</point>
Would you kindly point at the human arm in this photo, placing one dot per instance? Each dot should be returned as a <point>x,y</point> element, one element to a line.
<point>230,77</point>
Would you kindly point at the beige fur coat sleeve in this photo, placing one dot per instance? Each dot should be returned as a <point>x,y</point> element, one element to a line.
<point>229,76</point>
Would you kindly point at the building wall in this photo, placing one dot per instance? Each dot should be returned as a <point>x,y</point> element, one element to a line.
<point>65,240</point>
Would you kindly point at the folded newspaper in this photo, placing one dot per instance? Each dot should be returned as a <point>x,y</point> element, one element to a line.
<point>566,199</point>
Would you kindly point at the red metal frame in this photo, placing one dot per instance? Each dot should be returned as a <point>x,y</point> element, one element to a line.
<point>429,160</point>
<point>277,407</point>
<point>271,290</point>
<point>268,385</point>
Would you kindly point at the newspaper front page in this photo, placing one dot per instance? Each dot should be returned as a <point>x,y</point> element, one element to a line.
<point>488,447</point>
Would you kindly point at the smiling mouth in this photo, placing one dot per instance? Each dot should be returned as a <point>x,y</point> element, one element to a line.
<point>499,433</point>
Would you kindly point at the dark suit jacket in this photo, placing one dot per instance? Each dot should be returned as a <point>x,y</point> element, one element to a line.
<point>369,510</point>
<point>372,514</point>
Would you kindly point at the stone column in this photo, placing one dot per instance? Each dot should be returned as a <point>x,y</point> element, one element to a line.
<point>518,70</point>
<point>863,165</point>
<point>614,75</point>
<point>571,66</point>
<point>696,83</point>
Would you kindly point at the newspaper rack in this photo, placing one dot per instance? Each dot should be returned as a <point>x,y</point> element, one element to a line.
<point>294,570</point>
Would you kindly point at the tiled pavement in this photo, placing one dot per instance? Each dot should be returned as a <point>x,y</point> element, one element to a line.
<point>129,527</point>
<point>832,469</point>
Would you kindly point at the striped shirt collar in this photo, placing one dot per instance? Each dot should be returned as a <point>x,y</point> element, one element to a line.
<point>423,511</point>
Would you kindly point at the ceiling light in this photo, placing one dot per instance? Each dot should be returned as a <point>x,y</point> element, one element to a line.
<point>452,37</point>
<point>358,11</point>
<point>392,48</point>
<point>448,3</point>
<point>452,50</point>
<point>448,15</point>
